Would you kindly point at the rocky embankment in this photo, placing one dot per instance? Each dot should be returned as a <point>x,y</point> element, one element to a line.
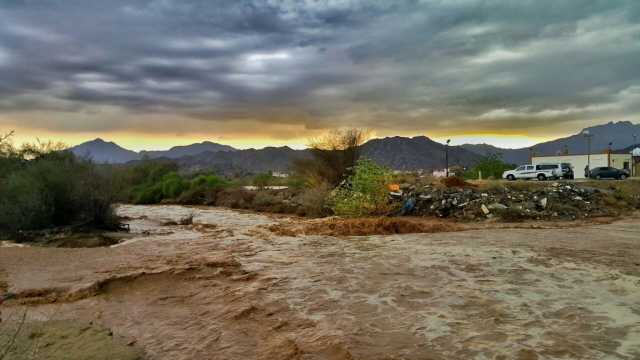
<point>555,201</point>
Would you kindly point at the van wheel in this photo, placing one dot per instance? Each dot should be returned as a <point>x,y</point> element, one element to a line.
<point>511,177</point>
<point>541,177</point>
<point>622,177</point>
<point>598,177</point>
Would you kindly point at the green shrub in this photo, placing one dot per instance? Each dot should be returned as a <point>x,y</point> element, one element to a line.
<point>173,185</point>
<point>210,181</point>
<point>50,188</point>
<point>490,166</point>
<point>366,193</point>
<point>263,180</point>
<point>200,195</point>
<point>147,195</point>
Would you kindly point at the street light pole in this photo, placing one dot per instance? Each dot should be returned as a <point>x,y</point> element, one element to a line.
<point>446,158</point>
<point>588,135</point>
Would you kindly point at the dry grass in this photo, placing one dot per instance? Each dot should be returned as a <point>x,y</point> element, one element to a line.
<point>339,227</point>
<point>630,186</point>
<point>366,226</point>
<point>455,181</point>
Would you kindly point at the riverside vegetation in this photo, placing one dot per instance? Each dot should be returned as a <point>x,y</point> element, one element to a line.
<point>44,187</point>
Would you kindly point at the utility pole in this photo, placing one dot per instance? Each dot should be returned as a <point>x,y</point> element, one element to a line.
<point>532,154</point>
<point>588,136</point>
<point>635,139</point>
<point>446,158</point>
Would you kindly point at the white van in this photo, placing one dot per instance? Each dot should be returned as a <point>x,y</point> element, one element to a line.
<point>540,172</point>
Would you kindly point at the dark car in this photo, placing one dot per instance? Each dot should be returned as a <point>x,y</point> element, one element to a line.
<point>608,173</point>
<point>567,171</point>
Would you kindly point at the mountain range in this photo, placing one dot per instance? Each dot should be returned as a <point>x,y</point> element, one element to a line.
<point>105,152</point>
<point>399,153</point>
<point>177,152</point>
<point>620,134</point>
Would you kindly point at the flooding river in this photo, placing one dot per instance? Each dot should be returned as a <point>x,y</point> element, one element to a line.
<point>225,287</point>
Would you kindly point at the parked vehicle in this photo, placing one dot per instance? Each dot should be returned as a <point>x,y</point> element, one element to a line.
<point>567,171</point>
<point>608,173</point>
<point>540,172</point>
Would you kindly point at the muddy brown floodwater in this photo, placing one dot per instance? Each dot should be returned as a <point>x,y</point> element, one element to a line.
<point>228,288</point>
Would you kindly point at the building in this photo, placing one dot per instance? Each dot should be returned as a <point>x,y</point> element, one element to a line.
<point>579,161</point>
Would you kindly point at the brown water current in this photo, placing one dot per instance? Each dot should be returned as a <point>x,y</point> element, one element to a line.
<point>226,287</point>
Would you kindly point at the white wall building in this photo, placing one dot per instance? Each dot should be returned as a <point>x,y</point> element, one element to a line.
<point>579,162</point>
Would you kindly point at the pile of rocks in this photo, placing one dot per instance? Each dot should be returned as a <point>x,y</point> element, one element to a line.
<point>555,201</point>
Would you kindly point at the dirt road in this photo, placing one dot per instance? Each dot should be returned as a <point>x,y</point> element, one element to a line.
<point>228,288</point>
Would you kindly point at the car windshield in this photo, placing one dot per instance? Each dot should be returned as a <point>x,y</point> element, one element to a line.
<point>520,168</point>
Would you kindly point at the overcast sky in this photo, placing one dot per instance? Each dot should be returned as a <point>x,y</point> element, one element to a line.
<point>162,72</point>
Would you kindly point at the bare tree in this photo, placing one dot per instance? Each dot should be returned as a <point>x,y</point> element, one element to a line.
<point>332,157</point>
<point>5,143</point>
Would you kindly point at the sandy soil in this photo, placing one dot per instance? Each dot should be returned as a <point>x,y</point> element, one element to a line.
<point>227,287</point>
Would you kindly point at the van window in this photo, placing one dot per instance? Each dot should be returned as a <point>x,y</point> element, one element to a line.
<point>546,167</point>
<point>520,168</point>
<point>529,167</point>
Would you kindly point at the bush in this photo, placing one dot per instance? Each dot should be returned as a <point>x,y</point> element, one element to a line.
<point>262,180</point>
<point>235,198</point>
<point>490,166</point>
<point>48,188</point>
<point>173,185</point>
<point>147,195</point>
<point>313,201</point>
<point>200,195</point>
<point>210,181</point>
<point>153,183</point>
<point>265,199</point>
<point>366,192</point>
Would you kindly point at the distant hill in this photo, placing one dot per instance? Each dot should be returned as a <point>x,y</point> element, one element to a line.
<point>510,156</point>
<point>420,152</point>
<point>628,149</point>
<point>104,152</point>
<point>619,133</point>
<point>398,153</point>
<point>242,162</point>
<point>177,152</point>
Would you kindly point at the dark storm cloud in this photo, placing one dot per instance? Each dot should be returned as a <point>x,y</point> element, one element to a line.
<point>405,65</point>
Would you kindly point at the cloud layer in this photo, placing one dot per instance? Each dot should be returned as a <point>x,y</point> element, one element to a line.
<point>287,68</point>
